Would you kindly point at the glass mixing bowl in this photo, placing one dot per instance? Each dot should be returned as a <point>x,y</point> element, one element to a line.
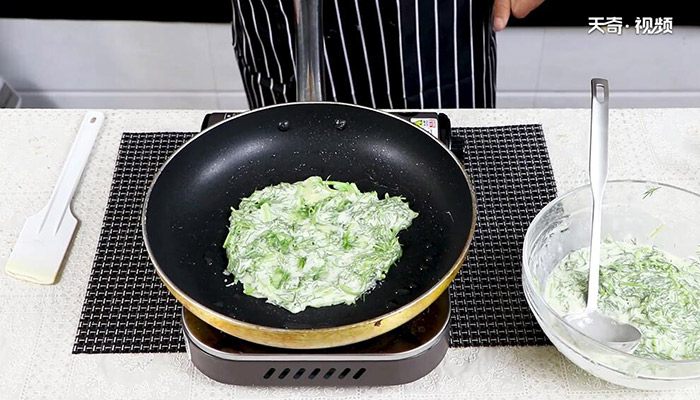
<point>655,214</point>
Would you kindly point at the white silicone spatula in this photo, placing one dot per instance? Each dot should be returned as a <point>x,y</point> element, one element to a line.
<point>46,235</point>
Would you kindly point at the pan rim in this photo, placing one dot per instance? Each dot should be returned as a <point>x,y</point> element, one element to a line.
<point>379,321</point>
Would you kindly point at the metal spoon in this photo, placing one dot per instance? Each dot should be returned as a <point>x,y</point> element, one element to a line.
<point>621,336</point>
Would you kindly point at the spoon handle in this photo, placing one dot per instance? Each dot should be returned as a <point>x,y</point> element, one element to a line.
<point>598,173</point>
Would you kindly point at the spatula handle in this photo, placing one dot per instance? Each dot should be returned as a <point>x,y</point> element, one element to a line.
<point>309,50</point>
<point>68,180</point>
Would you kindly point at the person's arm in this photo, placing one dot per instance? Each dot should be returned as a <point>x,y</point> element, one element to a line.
<point>519,8</point>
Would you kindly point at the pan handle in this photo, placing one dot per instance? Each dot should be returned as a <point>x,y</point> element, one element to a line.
<point>309,49</point>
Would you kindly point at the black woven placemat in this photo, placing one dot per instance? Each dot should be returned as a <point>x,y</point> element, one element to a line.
<point>128,310</point>
<point>513,180</point>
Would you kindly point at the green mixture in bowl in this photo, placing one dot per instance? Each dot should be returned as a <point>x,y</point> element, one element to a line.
<point>314,243</point>
<point>641,285</point>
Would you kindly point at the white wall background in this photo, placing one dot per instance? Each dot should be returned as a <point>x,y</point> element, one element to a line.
<point>117,64</point>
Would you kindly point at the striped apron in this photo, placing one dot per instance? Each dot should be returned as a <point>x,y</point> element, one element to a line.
<point>387,54</point>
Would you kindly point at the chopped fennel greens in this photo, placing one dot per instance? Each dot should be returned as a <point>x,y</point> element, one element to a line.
<point>314,243</point>
<point>650,192</point>
<point>641,285</point>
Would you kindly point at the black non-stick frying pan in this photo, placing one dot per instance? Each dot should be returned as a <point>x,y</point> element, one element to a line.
<point>185,217</point>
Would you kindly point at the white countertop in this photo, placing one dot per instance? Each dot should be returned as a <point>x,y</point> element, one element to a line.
<point>38,323</point>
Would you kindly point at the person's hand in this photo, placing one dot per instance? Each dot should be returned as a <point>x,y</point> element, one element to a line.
<point>519,8</point>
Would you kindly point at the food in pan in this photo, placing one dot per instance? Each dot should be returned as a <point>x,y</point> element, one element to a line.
<point>314,243</point>
<point>641,285</point>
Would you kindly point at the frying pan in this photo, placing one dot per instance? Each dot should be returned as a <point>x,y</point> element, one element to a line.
<point>186,210</point>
